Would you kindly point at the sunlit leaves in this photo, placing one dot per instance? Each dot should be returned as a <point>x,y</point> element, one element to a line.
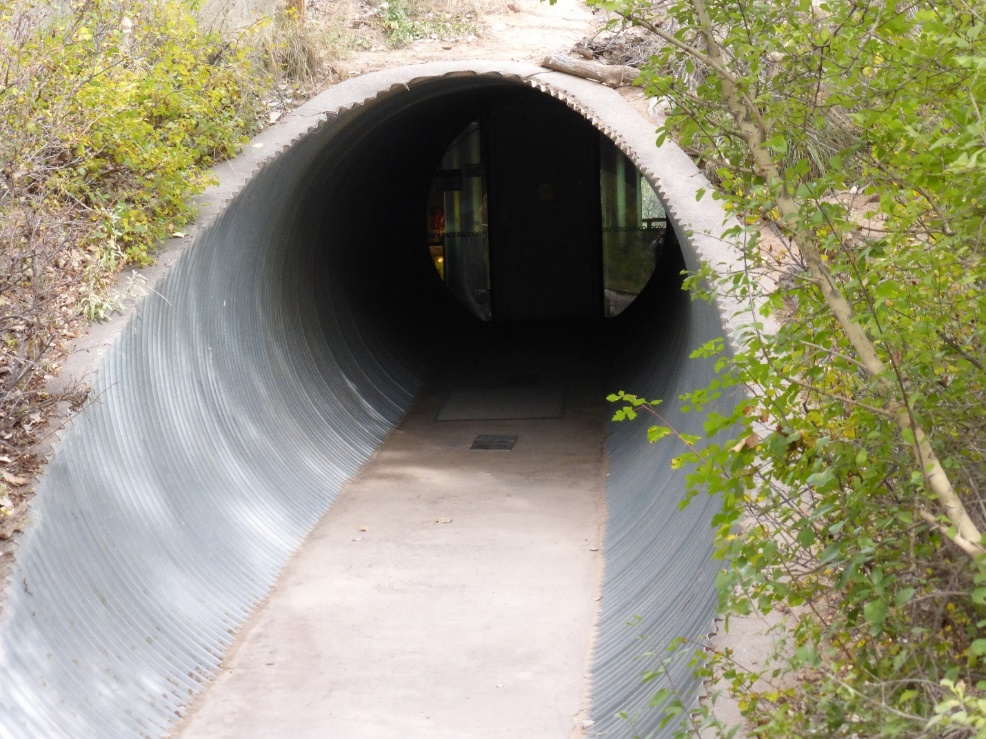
<point>128,104</point>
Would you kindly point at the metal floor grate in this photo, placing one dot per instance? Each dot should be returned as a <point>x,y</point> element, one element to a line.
<point>494,442</point>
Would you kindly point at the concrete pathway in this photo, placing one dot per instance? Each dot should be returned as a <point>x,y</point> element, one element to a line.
<point>449,592</point>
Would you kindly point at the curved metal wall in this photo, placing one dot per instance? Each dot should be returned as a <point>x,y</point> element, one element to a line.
<point>659,574</point>
<point>260,375</point>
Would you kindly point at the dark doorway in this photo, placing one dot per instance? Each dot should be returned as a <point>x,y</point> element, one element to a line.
<point>544,232</point>
<point>534,216</point>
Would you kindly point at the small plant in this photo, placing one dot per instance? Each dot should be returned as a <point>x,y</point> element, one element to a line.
<point>292,49</point>
<point>405,23</point>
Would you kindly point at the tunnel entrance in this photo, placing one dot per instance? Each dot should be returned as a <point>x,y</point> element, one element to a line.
<point>300,330</point>
<point>533,215</point>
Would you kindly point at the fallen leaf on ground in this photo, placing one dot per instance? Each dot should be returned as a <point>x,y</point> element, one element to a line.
<point>14,479</point>
<point>443,520</point>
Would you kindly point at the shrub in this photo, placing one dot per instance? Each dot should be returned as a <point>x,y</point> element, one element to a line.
<point>110,113</point>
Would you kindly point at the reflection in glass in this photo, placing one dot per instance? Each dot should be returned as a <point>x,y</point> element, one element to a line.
<point>632,218</point>
<point>633,226</point>
<point>457,223</point>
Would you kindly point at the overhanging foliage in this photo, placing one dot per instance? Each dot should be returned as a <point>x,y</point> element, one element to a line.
<point>854,490</point>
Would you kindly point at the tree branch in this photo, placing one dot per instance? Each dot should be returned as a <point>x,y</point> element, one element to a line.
<point>958,540</point>
<point>753,135</point>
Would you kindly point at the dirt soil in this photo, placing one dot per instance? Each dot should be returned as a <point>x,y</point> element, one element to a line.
<point>515,30</point>
<point>518,30</point>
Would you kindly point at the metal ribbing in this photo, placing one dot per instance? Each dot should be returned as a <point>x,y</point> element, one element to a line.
<point>260,375</point>
<point>658,581</point>
<point>226,420</point>
<point>659,574</point>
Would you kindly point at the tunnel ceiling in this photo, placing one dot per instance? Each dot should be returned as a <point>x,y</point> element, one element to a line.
<point>266,367</point>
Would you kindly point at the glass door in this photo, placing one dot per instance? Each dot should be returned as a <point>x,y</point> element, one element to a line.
<point>458,237</point>
<point>633,224</point>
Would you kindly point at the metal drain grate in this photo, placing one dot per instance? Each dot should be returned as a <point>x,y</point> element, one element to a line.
<point>494,442</point>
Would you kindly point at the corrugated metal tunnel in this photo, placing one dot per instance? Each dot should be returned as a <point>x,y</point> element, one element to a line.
<point>266,368</point>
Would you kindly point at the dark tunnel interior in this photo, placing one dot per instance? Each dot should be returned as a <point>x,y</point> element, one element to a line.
<point>358,233</point>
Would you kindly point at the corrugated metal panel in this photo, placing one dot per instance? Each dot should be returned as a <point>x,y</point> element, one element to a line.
<point>659,574</point>
<point>225,422</point>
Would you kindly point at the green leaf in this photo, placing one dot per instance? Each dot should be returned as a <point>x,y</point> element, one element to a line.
<point>655,433</point>
<point>779,144</point>
<point>806,536</point>
<point>903,596</point>
<point>875,613</point>
<point>807,655</point>
<point>823,481</point>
